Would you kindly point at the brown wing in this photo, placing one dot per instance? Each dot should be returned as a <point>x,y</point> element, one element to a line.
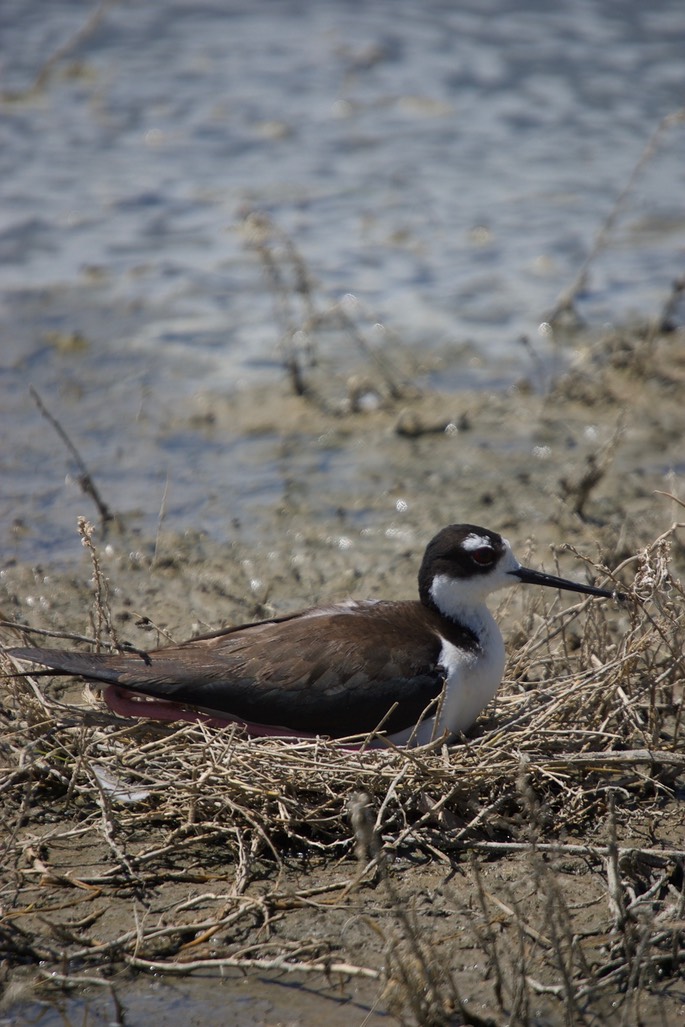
<point>336,671</point>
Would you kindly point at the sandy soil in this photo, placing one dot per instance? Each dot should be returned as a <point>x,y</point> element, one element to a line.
<point>580,462</point>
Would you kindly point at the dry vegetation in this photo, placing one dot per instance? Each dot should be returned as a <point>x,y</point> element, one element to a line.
<point>554,837</point>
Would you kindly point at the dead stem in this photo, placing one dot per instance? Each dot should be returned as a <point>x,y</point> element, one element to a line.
<point>565,301</point>
<point>85,478</point>
<point>59,55</point>
<point>304,324</point>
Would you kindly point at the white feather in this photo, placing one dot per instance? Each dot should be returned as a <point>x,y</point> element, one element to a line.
<point>472,676</point>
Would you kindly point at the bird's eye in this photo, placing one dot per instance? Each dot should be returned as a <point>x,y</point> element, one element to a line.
<point>484,556</point>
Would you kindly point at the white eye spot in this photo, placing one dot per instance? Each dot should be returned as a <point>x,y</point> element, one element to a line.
<point>473,542</point>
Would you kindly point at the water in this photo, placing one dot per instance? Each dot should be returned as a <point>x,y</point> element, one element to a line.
<point>448,164</point>
<point>255,1000</point>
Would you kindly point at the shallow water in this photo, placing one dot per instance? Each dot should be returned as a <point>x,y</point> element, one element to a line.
<point>208,1001</point>
<point>449,165</point>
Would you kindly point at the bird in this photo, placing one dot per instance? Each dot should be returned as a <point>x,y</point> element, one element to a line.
<point>409,671</point>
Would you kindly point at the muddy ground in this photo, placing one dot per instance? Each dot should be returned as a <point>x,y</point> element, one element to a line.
<point>526,917</point>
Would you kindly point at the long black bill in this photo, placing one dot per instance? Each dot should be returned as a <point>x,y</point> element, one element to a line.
<point>529,577</point>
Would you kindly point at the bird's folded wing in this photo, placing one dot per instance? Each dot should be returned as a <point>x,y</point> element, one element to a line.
<point>338,675</point>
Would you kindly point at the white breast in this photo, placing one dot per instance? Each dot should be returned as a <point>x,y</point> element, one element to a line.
<point>471,680</point>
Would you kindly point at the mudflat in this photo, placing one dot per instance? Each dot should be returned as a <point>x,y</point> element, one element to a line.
<point>530,873</point>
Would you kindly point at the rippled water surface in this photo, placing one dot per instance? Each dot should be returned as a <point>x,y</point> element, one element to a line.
<point>448,164</point>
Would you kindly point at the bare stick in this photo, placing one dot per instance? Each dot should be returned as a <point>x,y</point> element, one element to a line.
<point>60,53</point>
<point>567,298</point>
<point>85,478</point>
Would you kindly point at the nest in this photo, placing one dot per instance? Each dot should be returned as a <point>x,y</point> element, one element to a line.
<point>224,840</point>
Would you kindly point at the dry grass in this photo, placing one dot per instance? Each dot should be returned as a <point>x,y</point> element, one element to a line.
<point>204,838</point>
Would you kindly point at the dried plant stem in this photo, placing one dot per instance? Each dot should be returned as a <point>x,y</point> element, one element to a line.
<point>103,613</point>
<point>568,297</point>
<point>85,478</point>
<point>63,51</point>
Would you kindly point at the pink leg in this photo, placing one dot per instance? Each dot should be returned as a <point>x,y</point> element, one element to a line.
<point>130,704</point>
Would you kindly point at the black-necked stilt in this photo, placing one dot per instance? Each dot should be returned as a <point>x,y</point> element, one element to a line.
<point>418,669</point>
